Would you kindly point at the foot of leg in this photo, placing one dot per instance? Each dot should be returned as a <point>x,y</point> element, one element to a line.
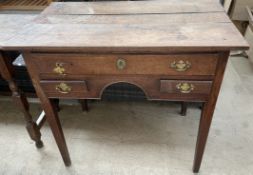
<point>39,144</point>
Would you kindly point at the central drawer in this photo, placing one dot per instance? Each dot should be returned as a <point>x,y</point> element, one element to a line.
<point>67,65</point>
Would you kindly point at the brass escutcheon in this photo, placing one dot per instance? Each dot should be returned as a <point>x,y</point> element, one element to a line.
<point>185,87</point>
<point>180,65</point>
<point>121,64</point>
<point>63,88</point>
<point>59,69</point>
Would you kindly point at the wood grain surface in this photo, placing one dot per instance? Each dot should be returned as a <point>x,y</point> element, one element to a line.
<point>88,64</point>
<point>131,25</point>
<point>10,24</point>
<point>134,7</point>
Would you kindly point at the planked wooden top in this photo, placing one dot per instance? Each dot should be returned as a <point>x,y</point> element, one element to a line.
<point>219,17</point>
<point>10,24</point>
<point>134,7</point>
<point>199,25</point>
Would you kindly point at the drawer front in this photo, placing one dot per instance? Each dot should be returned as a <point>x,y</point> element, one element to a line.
<point>65,89</point>
<point>186,88</point>
<point>67,65</point>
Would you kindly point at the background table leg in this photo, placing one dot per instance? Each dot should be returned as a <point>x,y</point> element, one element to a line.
<point>32,128</point>
<point>6,70</point>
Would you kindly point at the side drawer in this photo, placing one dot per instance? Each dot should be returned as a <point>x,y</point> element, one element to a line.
<point>65,89</point>
<point>190,89</point>
<point>71,65</point>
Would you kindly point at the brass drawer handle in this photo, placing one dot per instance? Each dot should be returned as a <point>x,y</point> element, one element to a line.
<point>63,88</point>
<point>180,65</point>
<point>59,69</point>
<point>185,87</point>
<point>121,64</point>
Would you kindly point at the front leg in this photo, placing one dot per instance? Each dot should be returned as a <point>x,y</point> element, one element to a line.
<point>208,110</point>
<point>48,106</point>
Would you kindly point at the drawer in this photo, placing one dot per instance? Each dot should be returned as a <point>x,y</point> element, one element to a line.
<point>180,88</point>
<point>68,65</point>
<point>65,89</point>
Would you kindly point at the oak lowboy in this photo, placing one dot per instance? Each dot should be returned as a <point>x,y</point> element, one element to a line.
<point>172,51</point>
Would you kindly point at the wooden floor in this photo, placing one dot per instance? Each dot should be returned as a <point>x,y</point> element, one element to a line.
<point>23,4</point>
